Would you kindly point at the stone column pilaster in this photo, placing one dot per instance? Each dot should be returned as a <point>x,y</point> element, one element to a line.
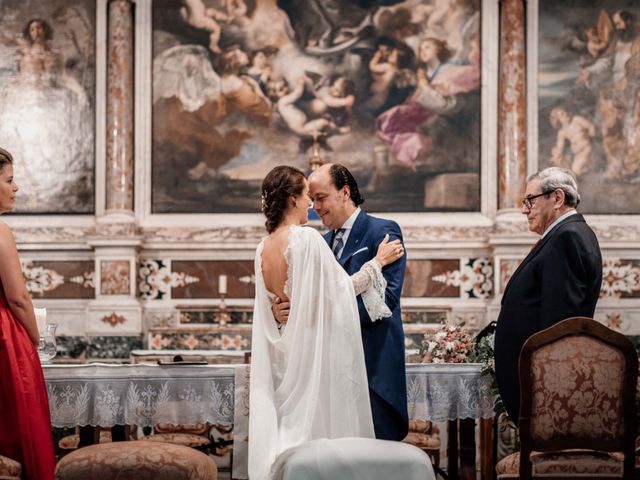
<point>512,112</point>
<point>120,86</point>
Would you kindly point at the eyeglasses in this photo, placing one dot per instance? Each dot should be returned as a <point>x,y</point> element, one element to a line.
<point>528,201</point>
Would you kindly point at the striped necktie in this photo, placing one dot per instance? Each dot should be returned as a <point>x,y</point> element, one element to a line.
<point>338,242</point>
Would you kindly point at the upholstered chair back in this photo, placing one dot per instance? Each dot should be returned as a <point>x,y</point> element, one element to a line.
<point>576,390</point>
<point>578,382</point>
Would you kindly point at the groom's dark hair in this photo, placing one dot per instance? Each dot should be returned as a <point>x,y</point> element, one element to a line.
<point>341,177</point>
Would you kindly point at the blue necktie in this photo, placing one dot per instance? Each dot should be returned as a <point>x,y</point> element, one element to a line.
<point>338,242</point>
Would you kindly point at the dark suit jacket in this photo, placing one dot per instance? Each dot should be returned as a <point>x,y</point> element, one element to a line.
<point>560,278</point>
<point>384,339</point>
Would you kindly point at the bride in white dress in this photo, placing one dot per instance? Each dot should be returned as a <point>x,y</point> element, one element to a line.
<point>308,378</point>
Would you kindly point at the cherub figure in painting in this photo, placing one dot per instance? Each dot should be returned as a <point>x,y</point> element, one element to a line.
<point>334,100</point>
<point>260,69</point>
<point>578,131</point>
<point>298,121</point>
<point>198,15</point>
<point>383,68</point>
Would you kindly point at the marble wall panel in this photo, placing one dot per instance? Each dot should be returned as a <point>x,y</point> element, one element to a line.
<point>199,278</point>
<point>82,348</point>
<point>234,338</point>
<point>115,277</point>
<point>421,278</point>
<point>59,279</point>
<point>620,277</point>
<point>211,316</point>
<point>465,278</point>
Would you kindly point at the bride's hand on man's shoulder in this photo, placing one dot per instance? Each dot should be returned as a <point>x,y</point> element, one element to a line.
<point>280,310</point>
<point>389,251</point>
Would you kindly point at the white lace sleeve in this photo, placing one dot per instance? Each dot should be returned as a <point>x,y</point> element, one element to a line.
<point>371,284</point>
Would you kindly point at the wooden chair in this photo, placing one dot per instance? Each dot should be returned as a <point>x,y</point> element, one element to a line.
<point>426,436</point>
<point>577,404</point>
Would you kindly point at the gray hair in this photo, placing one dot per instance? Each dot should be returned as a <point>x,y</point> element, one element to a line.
<point>5,158</point>
<point>553,178</point>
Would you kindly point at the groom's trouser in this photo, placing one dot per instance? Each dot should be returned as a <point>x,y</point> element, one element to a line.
<point>388,424</point>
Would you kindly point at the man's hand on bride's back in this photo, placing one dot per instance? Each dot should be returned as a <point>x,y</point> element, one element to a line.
<point>280,310</point>
<point>389,252</point>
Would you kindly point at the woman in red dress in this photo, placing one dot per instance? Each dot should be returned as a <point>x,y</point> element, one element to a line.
<point>25,424</point>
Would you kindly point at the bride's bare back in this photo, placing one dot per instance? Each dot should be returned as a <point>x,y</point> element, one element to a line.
<point>274,265</point>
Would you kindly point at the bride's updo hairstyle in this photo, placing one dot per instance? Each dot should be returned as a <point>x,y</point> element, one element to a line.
<point>280,183</point>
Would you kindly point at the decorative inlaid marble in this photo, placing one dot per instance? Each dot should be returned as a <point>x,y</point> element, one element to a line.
<point>421,278</point>
<point>202,276</point>
<point>473,277</point>
<point>200,340</point>
<point>623,320</point>
<point>115,277</point>
<point>113,319</point>
<point>620,278</point>
<point>507,269</point>
<point>512,115</point>
<point>161,319</point>
<point>410,316</point>
<point>59,279</point>
<point>154,279</point>
<point>120,106</point>
<point>113,347</point>
<point>212,316</point>
<point>83,348</point>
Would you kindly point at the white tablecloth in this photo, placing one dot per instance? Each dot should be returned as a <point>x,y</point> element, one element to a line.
<point>446,391</point>
<point>142,395</point>
<point>145,395</point>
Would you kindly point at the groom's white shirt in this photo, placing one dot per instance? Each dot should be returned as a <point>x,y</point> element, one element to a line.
<point>347,226</point>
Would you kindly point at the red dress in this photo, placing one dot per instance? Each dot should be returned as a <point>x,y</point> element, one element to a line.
<point>25,423</point>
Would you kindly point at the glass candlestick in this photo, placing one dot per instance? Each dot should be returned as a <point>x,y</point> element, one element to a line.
<point>47,345</point>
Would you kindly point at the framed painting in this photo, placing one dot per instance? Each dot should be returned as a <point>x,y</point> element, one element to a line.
<point>47,102</point>
<point>389,88</point>
<point>586,71</point>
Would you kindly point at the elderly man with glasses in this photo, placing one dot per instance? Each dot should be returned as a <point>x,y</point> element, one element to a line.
<point>559,278</point>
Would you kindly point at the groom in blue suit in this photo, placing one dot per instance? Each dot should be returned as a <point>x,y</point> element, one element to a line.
<point>354,239</point>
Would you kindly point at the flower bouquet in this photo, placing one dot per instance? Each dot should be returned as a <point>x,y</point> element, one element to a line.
<point>450,344</point>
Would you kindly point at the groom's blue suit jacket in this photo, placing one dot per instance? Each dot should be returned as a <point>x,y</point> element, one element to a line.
<point>384,339</point>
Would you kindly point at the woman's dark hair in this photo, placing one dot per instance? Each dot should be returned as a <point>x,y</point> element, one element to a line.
<point>48,31</point>
<point>280,183</point>
<point>341,177</point>
<point>5,158</point>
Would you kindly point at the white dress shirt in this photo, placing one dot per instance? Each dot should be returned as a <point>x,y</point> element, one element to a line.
<point>347,226</point>
<point>566,215</point>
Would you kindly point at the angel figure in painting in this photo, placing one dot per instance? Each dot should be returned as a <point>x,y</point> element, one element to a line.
<point>578,131</point>
<point>438,85</point>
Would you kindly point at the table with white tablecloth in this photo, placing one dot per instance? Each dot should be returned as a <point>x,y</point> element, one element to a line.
<point>145,395</point>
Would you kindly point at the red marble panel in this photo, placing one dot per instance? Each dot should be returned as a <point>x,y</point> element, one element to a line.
<point>199,278</point>
<point>419,278</point>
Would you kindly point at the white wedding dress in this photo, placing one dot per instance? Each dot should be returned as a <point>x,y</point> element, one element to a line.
<point>308,380</point>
